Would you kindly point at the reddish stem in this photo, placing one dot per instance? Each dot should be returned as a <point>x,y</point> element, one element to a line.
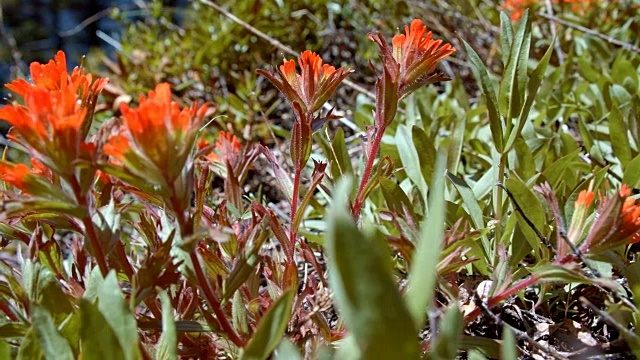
<point>531,280</point>
<point>209,295</point>
<point>294,205</point>
<point>213,301</point>
<point>371,157</point>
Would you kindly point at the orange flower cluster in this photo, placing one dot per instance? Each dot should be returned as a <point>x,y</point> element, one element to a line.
<point>407,66</point>
<point>617,221</point>
<point>55,118</point>
<point>306,92</point>
<point>312,87</point>
<point>157,136</point>
<point>517,7</point>
<point>227,147</point>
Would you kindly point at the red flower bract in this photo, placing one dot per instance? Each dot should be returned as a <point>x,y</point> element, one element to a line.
<point>617,223</point>
<point>57,114</point>
<point>313,86</point>
<point>158,132</point>
<point>411,62</point>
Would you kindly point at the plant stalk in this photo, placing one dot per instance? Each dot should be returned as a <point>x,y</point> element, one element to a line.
<point>371,157</point>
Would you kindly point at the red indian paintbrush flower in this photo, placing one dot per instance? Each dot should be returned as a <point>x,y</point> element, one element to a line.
<point>15,174</point>
<point>407,66</point>
<point>306,92</point>
<point>227,146</point>
<point>157,136</point>
<point>313,86</point>
<point>57,112</point>
<point>617,223</point>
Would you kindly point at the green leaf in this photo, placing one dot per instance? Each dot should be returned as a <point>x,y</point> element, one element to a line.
<point>531,207</point>
<point>271,329</point>
<point>456,141</point>
<point>509,351</point>
<point>451,325</point>
<point>472,207</point>
<point>506,36</point>
<point>423,274</point>
<point>618,136</point>
<point>396,199</point>
<point>365,291</point>
<point>484,346</point>
<point>42,288</point>
<point>99,341</point>
<point>30,347</point>
<point>52,344</point>
<point>5,350</point>
<point>342,164</point>
<point>117,314</point>
<point>426,152</point>
<point>168,343</point>
<point>286,351</point>
<point>475,355</point>
<point>514,78</point>
<point>532,90</point>
<point>486,86</point>
<point>247,262</point>
<point>409,157</point>
<point>11,330</point>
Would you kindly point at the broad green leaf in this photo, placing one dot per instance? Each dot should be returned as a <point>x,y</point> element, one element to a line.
<point>484,346</point>
<point>409,157</point>
<point>286,351</point>
<point>514,77</point>
<point>270,329</point>
<point>70,330</point>
<point>42,288</point>
<point>472,207</point>
<point>30,347</point>
<point>423,273</point>
<point>239,313</point>
<point>99,341</point>
<point>342,164</point>
<point>618,136</point>
<point>168,343</point>
<point>396,199</point>
<point>455,145</point>
<point>486,86</point>
<point>426,152</point>
<point>5,350</point>
<point>509,351</point>
<point>365,291</point>
<point>246,264</point>
<point>93,284</point>
<point>451,325</point>
<point>554,172</point>
<point>530,206</point>
<point>52,344</point>
<point>117,314</point>
<point>475,355</point>
<point>632,173</point>
<point>11,330</point>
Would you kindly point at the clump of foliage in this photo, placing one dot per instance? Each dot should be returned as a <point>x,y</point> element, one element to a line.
<point>118,242</point>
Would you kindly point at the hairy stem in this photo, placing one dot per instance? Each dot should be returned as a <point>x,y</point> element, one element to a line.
<point>294,206</point>
<point>371,157</point>
<point>208,292</point>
